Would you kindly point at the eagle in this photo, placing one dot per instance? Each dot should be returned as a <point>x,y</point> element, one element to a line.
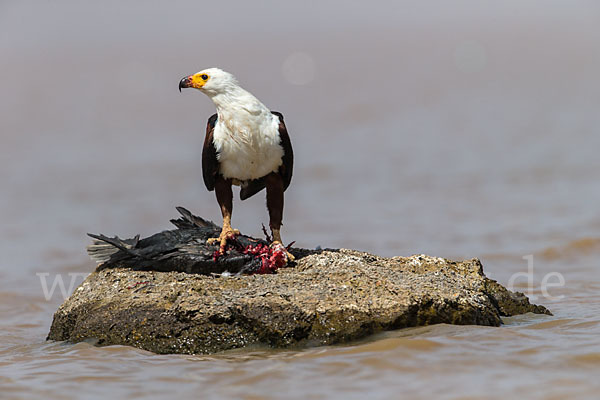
<point>247,145</point>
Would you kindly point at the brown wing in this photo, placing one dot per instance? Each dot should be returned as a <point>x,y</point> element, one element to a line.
<point>210,164</point>
<point>286,169</point>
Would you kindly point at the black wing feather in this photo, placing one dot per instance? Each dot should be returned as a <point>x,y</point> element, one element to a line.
<point>210,164</point>
<point>286,168</point>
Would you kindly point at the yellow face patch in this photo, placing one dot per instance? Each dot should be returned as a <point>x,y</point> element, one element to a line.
<point>198,80</point>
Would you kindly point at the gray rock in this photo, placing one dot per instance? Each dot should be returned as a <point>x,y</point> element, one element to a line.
<point>327,297</point>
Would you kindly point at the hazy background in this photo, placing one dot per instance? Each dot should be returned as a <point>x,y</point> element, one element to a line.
<point>412,122</point>
<point>453,128</point>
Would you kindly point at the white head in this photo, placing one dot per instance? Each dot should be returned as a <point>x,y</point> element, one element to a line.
<point>211,81</point>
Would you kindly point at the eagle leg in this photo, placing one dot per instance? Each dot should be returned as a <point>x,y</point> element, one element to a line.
<point>275,189</point>
<point>225,200</point>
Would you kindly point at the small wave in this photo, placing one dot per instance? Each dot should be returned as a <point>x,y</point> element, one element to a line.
<point>583,246</point>
<point>591,359</point>
<point>551,324</point>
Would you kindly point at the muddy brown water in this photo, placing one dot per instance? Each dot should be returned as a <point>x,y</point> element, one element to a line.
<point>461,130</point>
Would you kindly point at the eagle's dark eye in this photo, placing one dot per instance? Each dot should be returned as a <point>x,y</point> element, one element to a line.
<point>204,76</point>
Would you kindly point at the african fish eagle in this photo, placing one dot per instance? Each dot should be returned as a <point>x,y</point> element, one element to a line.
<point>246,144</point>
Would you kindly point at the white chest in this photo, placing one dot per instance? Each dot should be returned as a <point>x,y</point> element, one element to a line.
<point>248,147</point>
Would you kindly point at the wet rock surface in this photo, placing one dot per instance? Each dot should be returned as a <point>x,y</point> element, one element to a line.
<point>324,297</point>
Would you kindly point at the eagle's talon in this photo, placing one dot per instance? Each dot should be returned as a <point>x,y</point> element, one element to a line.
<point>275,244</point>
<point>226,234</point>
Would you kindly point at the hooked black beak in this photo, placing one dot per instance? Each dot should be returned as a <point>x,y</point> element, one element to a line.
<point>184,83</point>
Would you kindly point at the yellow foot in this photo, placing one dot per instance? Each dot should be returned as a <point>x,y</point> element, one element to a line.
<point>289,255</point>
<point>226,233</point>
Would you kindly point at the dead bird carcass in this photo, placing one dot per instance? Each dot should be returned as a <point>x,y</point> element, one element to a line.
<point>185,249</point>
